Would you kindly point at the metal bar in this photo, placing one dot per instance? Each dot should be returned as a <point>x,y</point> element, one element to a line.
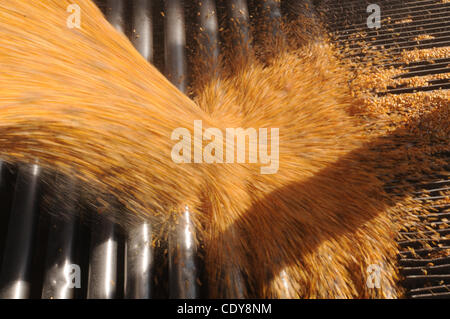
<point>429,71</point>
<point>286,289</point>
<point>301,7</point>
<point>232,285</point>
<point>432,289</point>
<point>103,263</point>
<point>175,43</point>
<point>422,252</point>
<point>408,12</point>
<point>15,272</point>
<point>433,87</point>
<point>182,247</point>
<point>142,26</point>
<point>139,263</point>
<point>336,5</point>
<point>434,28</point>
<point>440,295</point>
<point>209,36</point>
<point>115,14</point>
<point>237,289</point>
<point>182,253</point>
<point>430,270</point>
<point>139,251</point>
<point>414,243</point>
<point>397,45</point>
<point>2,165</point>
<point>272,12</point>
<point>419,279</point>
<point>424,262</point>
<point>60,260</point>
<point>102,282</point>
<point>5,207</point>
<point>240,26</point>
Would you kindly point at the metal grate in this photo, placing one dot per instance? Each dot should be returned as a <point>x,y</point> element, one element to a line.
<point>424,258</point>
<point>406,25</point>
